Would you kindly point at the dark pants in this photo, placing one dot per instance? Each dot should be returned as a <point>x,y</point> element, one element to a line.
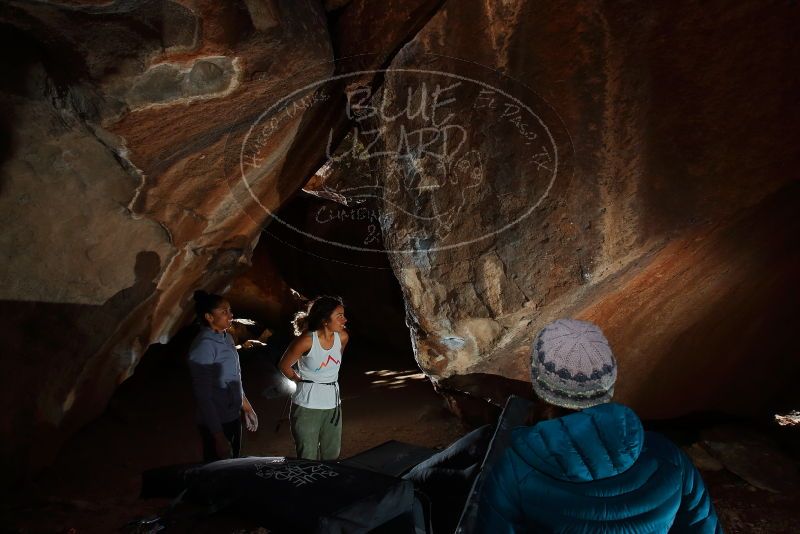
<point>233,433</point>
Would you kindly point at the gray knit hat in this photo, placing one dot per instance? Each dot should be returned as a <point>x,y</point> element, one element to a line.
<point>572,365</point>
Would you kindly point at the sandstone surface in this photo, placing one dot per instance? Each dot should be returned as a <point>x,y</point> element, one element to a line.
<point>650,187</point>
<point>121,185</point>
<point>145,146</point>
<point>630,164</point>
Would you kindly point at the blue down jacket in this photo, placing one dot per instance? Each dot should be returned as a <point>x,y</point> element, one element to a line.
<point>596,470</point>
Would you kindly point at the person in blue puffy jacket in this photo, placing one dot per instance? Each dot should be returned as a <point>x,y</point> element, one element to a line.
<point>589,466</point>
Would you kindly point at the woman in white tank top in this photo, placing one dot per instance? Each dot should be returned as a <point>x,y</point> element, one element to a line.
<point>313,361</point>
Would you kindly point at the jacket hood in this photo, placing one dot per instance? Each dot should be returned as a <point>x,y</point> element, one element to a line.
<point>208,333</point>
<point>593,444</point>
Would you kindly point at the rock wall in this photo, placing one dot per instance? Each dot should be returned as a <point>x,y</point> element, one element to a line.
<point>144,146</point>
<point>668,222</point>
<point>650,187</point>
<point>121,185</point>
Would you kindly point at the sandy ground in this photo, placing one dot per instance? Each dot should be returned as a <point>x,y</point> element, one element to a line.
<point>94,485</point>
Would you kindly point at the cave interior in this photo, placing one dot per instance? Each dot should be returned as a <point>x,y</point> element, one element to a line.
<point>460,174</point>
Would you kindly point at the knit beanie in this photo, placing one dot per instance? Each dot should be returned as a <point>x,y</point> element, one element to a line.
<point>572,365</point>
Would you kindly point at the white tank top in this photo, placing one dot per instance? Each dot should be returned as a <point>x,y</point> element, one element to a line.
<point>321,367</point>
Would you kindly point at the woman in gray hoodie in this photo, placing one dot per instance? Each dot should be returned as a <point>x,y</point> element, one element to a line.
<point>217,381</point>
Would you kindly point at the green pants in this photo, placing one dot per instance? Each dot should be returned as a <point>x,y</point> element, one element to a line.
<point>315,435</point>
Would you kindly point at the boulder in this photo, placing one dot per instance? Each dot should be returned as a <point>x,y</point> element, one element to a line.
<point>626,164</point>
<point>145,146</point>
<point>597,161</point>
<point>122,190</point>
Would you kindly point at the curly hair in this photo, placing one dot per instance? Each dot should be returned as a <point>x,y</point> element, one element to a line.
<point>315,315</point>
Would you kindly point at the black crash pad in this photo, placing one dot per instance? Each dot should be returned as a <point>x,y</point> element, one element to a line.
<point>513,415</point>
<point>392,458</point>
<point>289,495</point>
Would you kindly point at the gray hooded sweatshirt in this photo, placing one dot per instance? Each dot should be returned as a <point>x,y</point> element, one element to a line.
<point>216,379</point>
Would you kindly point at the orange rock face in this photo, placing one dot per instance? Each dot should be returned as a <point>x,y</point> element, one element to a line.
<point>147,147</point>
<point>634,165</point>
<point>668,221</point>
<point>135,177</point>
